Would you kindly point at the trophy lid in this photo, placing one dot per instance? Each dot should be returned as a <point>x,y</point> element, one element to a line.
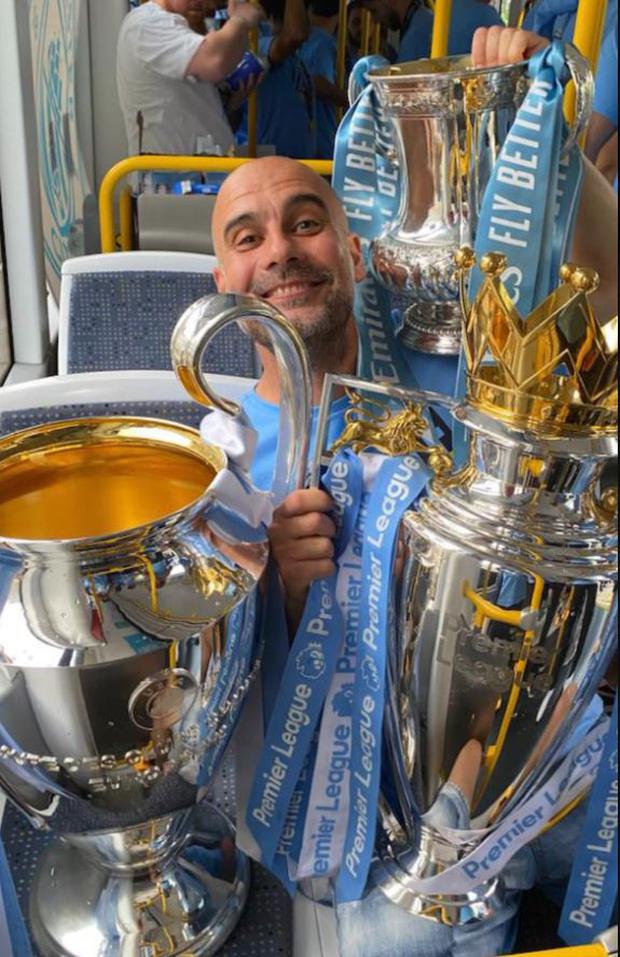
<point>88,478</point>
<point>553,372</point>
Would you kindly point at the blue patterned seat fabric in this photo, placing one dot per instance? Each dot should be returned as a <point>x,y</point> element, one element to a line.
<point>124,320</point>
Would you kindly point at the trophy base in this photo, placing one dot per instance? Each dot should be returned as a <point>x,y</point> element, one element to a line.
<point>433,327</point>
<point>188,905</point>
<point>455,910</point>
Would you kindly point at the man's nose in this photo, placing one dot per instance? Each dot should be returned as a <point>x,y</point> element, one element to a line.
<point>280,249</point>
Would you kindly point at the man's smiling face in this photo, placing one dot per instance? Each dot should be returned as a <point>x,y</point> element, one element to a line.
<point>281,234</point>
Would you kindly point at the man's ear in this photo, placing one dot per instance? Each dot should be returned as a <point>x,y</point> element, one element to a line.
<point>218,278</point>
<point>355,248</point>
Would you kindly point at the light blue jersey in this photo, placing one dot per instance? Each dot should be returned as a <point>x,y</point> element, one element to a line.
<point>286,117</point>
<point>467,16</point>
<point>319,55</point>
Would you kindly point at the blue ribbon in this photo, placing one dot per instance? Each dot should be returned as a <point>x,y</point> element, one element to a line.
<point>593,886</point>
<point>306,678</point>
<point>529,206</point>
<point>368,186</point>
<point>399,483</point>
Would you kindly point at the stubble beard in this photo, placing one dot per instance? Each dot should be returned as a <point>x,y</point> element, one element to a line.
<point>323,328</point>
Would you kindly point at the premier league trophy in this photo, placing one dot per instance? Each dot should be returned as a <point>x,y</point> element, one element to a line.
<point>506,598</point>
<point>449,122</point>
<point>128,593</point>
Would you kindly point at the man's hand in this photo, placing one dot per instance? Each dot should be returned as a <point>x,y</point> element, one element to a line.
<point>496,46</point>
<point>301,537</point>
<point>251,13</point>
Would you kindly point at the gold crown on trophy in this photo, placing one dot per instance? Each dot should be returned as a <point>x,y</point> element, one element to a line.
<point>552,372</point>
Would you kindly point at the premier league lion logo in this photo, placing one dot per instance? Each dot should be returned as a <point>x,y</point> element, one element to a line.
<point>370,674</point>
<point>342,705</point>
<point>310,662</point>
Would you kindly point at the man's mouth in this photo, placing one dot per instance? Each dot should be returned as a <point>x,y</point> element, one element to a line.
<point>293,289</point>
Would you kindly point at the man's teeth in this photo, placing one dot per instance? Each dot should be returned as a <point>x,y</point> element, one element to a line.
<point>291,289</point>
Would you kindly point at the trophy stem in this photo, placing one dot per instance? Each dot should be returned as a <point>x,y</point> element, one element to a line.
<point>433,327</point>
<point>188,900</point>
<point>397,873</point>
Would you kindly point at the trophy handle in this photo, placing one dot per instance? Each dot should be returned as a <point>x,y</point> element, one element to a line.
<point>193,333</point>
<point>583,78</point>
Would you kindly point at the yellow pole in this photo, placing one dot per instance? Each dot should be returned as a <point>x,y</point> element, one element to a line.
<point>169,164</point>
<point>375,46</point>
<point>253,104</point>
<point>441,28</point>
<point>125,212</point>
<point>588,36</point>
<point>341,55</point>
<point>365,40</point>
<point>584,950</point>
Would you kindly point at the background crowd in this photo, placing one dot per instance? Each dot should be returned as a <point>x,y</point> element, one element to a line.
<point>182,91</point>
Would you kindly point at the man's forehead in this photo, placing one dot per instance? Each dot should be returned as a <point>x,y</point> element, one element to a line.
<point>262,192</point>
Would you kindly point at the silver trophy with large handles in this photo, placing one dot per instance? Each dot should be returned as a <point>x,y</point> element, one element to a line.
<point>128,640</point>
<point>505,585</point>
<point>449,123</point>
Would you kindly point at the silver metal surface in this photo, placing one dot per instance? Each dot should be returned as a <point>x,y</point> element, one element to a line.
<point>195,330</point>
<point>449,121</point>
<point>125,655</point>
<point>188,904</point>
<point>506,594</point>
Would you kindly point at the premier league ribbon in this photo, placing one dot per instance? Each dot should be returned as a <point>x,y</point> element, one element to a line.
<point>399,483</point>
<point>593,887</point>
<point>305,681</point>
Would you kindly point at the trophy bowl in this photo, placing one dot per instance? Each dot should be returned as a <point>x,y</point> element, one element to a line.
<point>449,121</point>
<point>128,641</point>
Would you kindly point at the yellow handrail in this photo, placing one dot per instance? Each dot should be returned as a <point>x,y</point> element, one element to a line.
<point>341,49</point>
<point>583,950</point>
<point>588,36</point>
<point>125,215</point>
<point>441,28</point>
<point>169,164</point>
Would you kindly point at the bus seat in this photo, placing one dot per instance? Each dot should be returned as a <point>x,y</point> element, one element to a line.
<point>118,310</point>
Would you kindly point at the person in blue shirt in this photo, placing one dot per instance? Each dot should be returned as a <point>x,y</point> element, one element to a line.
<point>319,55</point>
<point>286,111</point>
<point>413,21</point>
<point>555,19</point>
<point>467,16</point>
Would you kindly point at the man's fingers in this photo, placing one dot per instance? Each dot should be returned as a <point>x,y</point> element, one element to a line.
<point>302,574</point>
<point>308,549</point>
<point>494,37</point>
<point>507,41</point>
<point>303,526</point>
<point>303,501</point>
<point>479,46</point>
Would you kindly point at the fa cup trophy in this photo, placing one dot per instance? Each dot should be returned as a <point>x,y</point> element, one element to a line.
<point>449,122</point>
<point>506,596</point>
<point>128,606</point>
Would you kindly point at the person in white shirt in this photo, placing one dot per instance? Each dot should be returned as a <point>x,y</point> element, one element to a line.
<point>167,75</point>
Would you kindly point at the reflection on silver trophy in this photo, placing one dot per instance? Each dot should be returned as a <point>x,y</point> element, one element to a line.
<point>449,123</point>
<point>506,592</point>
<point>127,645</point>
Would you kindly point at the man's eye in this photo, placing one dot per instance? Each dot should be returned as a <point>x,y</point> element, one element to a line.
<point>246,239</point>
<point>307,225</point>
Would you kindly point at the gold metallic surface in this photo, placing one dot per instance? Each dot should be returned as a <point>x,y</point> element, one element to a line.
<point>554,371</point>
<point>371,423</point>
<point>89,477</point>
